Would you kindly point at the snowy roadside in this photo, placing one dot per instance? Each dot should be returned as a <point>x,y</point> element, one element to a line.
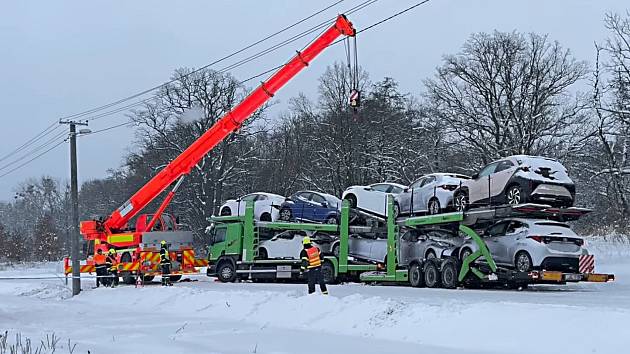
<point>207,316</point>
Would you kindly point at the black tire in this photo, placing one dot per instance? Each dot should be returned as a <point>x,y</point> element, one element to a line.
<point>514,195</point>
<point>522,262</point>
<point>175,278</point>
<point>352,200</point>
<point>127,277</point>
<point>262,253</point>
<point>328,273</point>
<point>285,214</point>
<point>465,253</point>
<point>460,201</point>
<point>450,272</point>
<point>335,250</point>
<point>226,272</point>
<point>147,278</point>
<point>434,206</point>
<point>416,276</point>
<point>430,255</point>
<point>396,210</point>
<point>265,217</point>
<point>225,211</point>
<point>332,220</point>
<point>432,277</point>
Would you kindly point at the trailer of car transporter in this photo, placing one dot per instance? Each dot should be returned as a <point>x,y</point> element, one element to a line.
<point>233,250</point>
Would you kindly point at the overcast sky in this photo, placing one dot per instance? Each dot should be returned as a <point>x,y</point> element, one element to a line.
<point>62,57</point>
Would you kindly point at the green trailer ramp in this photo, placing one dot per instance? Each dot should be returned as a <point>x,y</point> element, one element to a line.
<point>393,274</point>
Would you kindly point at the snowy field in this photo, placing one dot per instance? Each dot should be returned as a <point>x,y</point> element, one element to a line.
<point>211,317</point>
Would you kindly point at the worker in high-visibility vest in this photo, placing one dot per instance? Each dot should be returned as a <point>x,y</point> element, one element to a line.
<point>165,264</point>
<point>112,266</point>
<point>101,267</point>
<point>312,265</point>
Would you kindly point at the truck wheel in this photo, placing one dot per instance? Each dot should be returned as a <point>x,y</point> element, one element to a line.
<point>175,278</point>
<point>431,274</point>
<point>147,278</point>
<point>226,272</point>
<point>127,277</point>
<point>416,276</point>
<point>449,273</point>
<point>328,273</point>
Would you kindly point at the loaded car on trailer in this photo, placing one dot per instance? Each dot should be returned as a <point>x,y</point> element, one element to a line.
<point>517,180</point>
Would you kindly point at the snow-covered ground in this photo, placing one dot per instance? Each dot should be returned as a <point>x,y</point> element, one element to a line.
<point>211,317</point>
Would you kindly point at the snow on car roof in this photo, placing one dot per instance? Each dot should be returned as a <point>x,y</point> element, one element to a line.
<point>268,194</point>
<point>391,184</point>
<point>330,197</point>
<point>448,174</point>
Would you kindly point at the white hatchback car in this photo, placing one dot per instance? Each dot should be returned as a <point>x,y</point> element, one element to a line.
<point>372,199</point>
<point>526,244</point>
<point>430,194</point>
<point>288,244</point>
<point>266,206</point>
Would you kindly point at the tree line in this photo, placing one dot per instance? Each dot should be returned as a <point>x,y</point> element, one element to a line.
<point>501,94</point>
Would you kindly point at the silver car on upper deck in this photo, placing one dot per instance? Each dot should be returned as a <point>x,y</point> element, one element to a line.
<point>429,194</point>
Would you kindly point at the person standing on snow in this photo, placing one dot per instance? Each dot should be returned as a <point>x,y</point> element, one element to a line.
<point>312,265</point>
<point>165,263</point>
<point>112,266</point>
<point>101,267</point>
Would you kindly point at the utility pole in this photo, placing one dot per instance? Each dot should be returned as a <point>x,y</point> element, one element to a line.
<point>74,196</point>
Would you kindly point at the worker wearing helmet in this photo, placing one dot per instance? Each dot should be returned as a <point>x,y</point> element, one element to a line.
<point>101,267</point>
<point>165,264</point>
<point>112,266</point>
<point>312,265</point>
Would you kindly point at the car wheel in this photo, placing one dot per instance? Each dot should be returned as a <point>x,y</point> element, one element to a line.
<point>285,214</point>
<point>523,262</point>
<point>514,195</point>
<point>434,206</point>
<point>461,201</point>
<point>416,277</point>
<point>450,269</point>
<point>265,217</point>
<point>147,278</point>
<point>262,253</point>
<point>226,211</point>
<point>332,220</point>
<point>396,210</point>
<point>335,250</point>
<point>352,200</point>
<point>226,272</point>
<point>431,274</point>
<point>465,253</point>
<point>328,273</point>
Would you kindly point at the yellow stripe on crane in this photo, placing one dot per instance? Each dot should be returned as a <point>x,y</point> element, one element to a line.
<point>120,238</point>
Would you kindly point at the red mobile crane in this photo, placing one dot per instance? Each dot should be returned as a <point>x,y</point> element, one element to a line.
<point>138,247</point>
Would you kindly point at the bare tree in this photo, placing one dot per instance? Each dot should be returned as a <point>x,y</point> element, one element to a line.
<point>180,114</point>
<point>509,93</point>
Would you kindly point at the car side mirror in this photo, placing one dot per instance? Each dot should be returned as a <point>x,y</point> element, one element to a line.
<point>407,190</point>
<point>475,176</point>
<point>324,204</point>
<point>367,188</point>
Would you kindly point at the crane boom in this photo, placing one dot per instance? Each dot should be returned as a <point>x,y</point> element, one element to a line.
<point>229,123</point>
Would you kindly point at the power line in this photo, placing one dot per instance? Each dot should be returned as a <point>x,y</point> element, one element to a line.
<point>50,141</point>
<point>321,25</point>
<point>32,159</point>
<point>96,109</point>
<point>366,3</point>
<point>31,141</point>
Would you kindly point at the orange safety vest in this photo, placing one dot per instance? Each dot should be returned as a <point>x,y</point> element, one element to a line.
<point>99,259</point>
<point>313,257</point>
